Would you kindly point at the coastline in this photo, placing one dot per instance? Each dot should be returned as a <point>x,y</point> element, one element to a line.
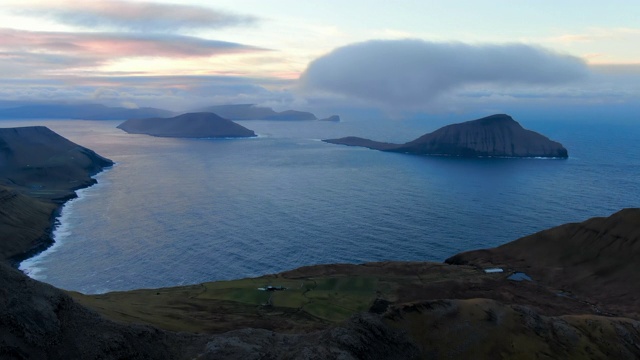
<point>48,240</point>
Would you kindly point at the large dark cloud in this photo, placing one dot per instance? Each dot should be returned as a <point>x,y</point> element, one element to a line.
<point>413,72</point>
<point>138,16</point>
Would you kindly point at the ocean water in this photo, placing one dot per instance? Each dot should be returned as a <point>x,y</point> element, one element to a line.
<point>183,211</point>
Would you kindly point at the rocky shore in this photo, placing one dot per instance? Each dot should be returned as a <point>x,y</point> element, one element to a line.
<point>580,301</point>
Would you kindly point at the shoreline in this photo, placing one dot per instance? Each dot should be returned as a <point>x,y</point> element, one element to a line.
<point>47,241</point>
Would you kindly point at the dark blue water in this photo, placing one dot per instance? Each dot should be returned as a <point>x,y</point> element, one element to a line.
<point>180,211</point>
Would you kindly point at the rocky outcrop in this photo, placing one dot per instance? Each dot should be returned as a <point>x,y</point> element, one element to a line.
<point>492,136</point>
<point>253,112</point>
<point>190,125</point>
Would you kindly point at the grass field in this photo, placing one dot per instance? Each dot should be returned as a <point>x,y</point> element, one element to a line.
<point>310,301</point>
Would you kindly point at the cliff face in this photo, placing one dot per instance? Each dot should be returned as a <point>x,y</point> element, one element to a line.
<point>190,125</point>
<point>492,136</point>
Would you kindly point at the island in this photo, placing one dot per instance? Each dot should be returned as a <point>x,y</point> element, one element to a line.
<point>334,118</point>
<point>80,111</point>
<point>254,112</point>
<point>492,136</point>
<point>566,292</point>
<point>190,125</point>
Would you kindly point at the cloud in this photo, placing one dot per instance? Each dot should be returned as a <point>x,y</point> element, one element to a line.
<point>116,44</point>
<point>168,92</point>
<point>411,73</point>
<point>137,16</point>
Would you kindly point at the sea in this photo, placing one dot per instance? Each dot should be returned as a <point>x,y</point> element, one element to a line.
<point>183,211</point>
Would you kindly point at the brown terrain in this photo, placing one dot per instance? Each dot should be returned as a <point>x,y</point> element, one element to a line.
<point>581,301</point>
<point>492,136</point>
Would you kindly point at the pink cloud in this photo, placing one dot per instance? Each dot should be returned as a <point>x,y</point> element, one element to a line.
<point>137,15</point>
<point>116,45</point>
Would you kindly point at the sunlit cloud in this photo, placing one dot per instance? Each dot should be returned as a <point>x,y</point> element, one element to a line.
<point>597,34</point>
<point>601,45</point>
<point>36,52</point>
<point>136,16</point>
<point>117,44</point>
<point>413,72</point>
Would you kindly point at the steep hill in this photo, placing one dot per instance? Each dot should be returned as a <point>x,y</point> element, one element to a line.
<point>492,136</point>
<point>190,125</point>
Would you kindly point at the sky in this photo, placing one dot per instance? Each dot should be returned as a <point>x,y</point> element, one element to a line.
<point>399,58</point>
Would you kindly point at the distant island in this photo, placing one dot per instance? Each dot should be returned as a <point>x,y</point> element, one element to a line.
<point>190,125</point>
<point>93,111</point>
<point>334,118</point>
<point>492,136</point>
<point>253,112</point>
<point>80,111</point>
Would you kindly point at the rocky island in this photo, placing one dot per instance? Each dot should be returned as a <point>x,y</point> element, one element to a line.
<point>576,296</point>
<point>190,125</point>
<point>492,136</point>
